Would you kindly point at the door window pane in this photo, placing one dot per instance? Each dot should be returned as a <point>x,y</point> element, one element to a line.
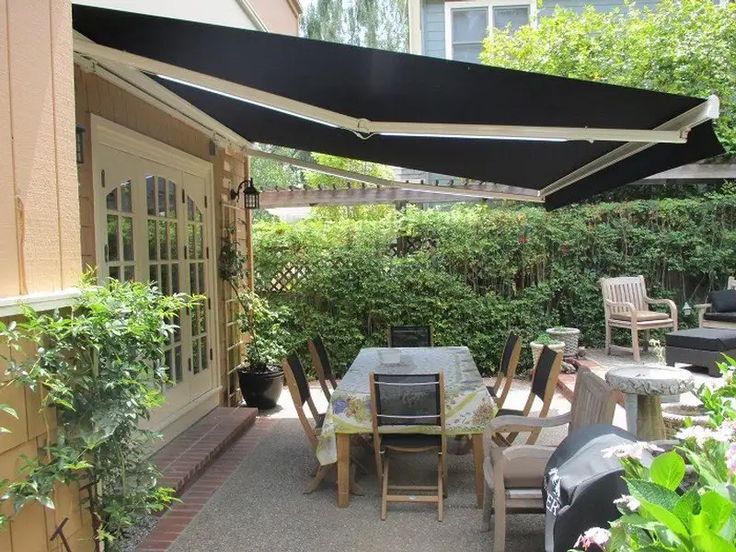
<point>161,197</point>
<point>153,273</point>
<point>126,230</point>
<point>112,238</point>
<point>469,53</point>
<point>172,200</point>
<point>162,241</point>
<point>511,16</point>
<point>126,200</point>
<point>150,195</point>
<point>115,272</point>
<point>173,241</point>
<point>129,273</point>
<point>175,278</point>
<point>112,200</point>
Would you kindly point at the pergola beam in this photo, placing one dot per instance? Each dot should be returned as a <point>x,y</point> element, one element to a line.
<point>271,199</point>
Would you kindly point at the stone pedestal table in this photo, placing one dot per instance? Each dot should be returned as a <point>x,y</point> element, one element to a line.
<point>642,388</point>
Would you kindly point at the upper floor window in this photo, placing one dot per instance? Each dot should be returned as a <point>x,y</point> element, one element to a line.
<point>467,23</point>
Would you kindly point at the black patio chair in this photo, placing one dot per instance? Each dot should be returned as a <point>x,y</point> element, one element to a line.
<point>506,370</point>
<point>401,400</point>
<point>410,336</point>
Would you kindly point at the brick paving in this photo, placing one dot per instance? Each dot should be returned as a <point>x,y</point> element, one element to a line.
<point>199,470</point>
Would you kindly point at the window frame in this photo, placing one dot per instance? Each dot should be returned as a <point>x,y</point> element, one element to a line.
<point>489,5</point>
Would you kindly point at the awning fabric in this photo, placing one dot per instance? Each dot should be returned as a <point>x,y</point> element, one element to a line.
<point>387,86</point>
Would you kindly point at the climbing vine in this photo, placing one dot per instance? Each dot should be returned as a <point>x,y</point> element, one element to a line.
<point>100,365</point>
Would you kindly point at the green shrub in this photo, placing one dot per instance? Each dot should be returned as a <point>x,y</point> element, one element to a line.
<point>476,272</point>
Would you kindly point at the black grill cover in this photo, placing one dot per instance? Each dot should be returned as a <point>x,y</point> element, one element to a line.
<point>580,485</point>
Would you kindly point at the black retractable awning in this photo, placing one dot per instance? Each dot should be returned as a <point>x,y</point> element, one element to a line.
<point>384,86</point>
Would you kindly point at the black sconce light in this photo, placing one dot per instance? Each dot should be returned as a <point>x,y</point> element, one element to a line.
<point>80,145</point>
<point>251,196</point>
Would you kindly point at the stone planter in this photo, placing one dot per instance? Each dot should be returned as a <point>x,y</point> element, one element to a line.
<point>557,346</point>
<point>674,416</point>
<point>569,336</point>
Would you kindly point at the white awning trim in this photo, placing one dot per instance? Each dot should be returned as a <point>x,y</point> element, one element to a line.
<point>367,128</point>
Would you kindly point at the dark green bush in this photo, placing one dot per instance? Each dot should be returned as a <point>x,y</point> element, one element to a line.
<point>476,272</point>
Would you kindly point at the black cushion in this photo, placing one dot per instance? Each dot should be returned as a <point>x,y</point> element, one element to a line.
<point>720,316</point>
<point>410,440</point>
<point>509,412</point>
<point>703,339</point>
<point>723,301</point>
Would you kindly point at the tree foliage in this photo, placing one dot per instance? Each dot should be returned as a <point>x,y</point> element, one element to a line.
<point>477,272</point>
<point>682,46</point>
<point>380,24</point>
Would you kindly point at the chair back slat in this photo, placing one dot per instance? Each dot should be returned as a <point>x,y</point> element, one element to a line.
<point>302,385</point>
<point>546,372</point>
<point>321,362</point>
<point>410,336</point>
<point>624,289</point>
<point>510,356</point>
<point>407,399</point>
<point>594,401</point>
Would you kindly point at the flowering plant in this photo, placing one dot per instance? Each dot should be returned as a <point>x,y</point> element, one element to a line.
<point>685,501</point>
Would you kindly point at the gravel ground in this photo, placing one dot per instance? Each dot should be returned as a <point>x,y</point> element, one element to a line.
<point>138,533</point>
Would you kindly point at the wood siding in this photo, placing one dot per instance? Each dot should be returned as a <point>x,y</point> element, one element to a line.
<point>39,222</point>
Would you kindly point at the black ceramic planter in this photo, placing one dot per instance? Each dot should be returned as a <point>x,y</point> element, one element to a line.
<point>261,389</point>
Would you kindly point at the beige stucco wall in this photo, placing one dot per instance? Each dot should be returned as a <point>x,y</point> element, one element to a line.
<point>39,225</point>
<point>279,16</point>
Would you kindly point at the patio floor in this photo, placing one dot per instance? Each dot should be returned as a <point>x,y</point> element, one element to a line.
<point>252,500</point>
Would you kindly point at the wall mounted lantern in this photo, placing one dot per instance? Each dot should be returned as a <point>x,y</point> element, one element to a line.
<point>80,145</point>
<point>251,195</point>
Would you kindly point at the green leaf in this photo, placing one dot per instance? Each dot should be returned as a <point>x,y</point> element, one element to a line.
<point>667,518</point>
<point>652,493</point>
<point>717,508</point>
<point>667,470</point>
<point>687,505</point>
<point>710,542</point>
<point>46,501</point>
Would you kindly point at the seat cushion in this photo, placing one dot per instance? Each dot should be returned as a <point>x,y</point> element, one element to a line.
<point>509,412</point>
<point>642,316</point>
<point>702,339</point>
<point>410,440</point>
<point>720,316</point>
<point>521,473</point>
<point>723,301</point>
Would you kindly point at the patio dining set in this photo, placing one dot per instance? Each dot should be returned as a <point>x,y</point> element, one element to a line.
<point>412,397</point>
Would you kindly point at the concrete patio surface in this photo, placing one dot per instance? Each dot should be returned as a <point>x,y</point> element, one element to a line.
<point>261,506</point>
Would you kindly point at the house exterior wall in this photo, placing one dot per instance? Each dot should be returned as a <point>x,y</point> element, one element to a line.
<point>39,224</point>
<point>279,16</point>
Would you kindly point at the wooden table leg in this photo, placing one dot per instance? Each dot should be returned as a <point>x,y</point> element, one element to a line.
<point>343,470</point>
<point>478,464</point>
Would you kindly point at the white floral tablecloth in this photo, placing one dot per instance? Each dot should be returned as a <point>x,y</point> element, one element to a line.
<point>468,406</point>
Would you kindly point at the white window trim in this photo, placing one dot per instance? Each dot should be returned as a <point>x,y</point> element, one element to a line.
<point>488,4</point>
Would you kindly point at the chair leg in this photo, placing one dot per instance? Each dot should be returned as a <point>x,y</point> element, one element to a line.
<point>635,343</point>
<point>443,457</point>
<point>485,525</point>
<point>317,479</point>
<point>499,513</point>
<point>384,488</point>
<point>440,488</point>
<point>608,339</point>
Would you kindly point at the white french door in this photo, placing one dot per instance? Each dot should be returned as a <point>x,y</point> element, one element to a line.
<point>152,224</point>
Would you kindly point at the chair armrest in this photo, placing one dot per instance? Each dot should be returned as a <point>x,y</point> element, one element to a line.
<point>520,424</point>
<point>701,309</point>
<point>669,302</point>
<point>540,452</point>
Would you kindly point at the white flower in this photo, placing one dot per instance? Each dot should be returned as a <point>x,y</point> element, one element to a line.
<point>629,502</point>
<point>701,434</point>
<point>630,450</point>
<point>731,458</point>
<point>594,535</point>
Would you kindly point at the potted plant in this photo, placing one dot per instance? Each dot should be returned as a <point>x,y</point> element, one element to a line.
<point>569,336</point>
<point>544,339</point>
<point>260,376</point>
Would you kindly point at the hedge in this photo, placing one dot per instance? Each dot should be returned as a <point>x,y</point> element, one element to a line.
<point>476,272</point>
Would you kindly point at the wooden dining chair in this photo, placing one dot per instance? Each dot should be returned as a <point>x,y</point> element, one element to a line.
<point>296,381</point>
<point>322,366</point>
<point>544,381</point>
<point>410,336</point>
<point>506,370</point>
<point>401,400</point>
<point>514,476</point>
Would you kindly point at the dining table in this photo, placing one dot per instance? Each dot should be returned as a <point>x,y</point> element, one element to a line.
<point>468,405</point>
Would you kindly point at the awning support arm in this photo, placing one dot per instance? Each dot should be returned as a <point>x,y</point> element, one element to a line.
<point>376,181</point>
<point>366,128</point>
